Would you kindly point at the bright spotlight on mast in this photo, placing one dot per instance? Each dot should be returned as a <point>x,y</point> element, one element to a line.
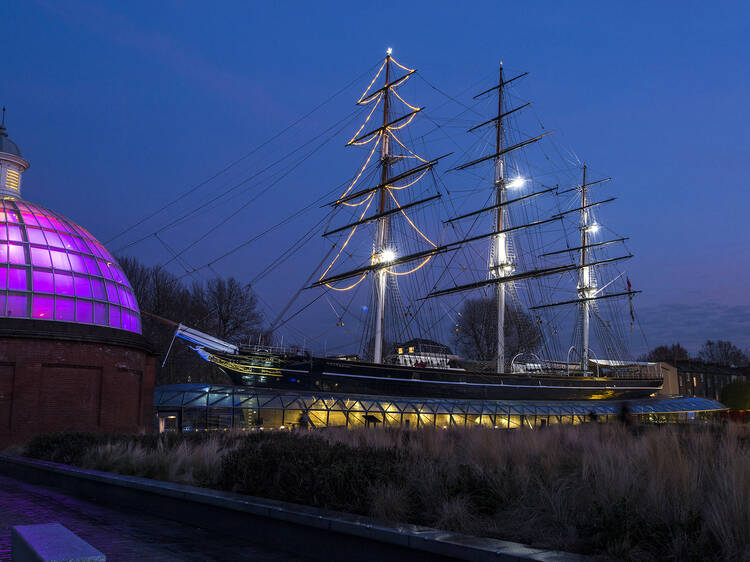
<point>387,256</point>
<point>516,182</point>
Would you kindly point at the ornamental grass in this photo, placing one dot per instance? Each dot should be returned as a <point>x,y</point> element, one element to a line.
<point>645,493</point>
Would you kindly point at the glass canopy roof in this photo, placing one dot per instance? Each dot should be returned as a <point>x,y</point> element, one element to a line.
<point>53,269</point>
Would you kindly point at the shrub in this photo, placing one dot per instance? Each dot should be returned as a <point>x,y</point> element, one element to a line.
<point>680,493</point>
<point>67,448</point>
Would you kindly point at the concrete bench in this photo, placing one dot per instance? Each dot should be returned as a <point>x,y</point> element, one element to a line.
<point>51,542</point>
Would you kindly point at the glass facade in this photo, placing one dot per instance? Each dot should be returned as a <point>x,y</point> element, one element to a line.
<point>198,407</point>
<point>53,269</point>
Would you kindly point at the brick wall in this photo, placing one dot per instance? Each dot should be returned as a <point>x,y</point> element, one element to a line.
<point>48,385</point>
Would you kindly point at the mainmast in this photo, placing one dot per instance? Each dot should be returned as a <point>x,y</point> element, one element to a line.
<point>381,232</point>
<point>499,253</point>
<point>584,279</point>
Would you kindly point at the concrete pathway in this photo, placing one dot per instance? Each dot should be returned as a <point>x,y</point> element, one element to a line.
<point>121,534</point>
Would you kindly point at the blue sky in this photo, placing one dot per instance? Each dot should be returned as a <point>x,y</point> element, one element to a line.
<point>120,107</point>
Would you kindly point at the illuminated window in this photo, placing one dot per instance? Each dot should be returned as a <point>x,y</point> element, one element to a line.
<point>400,350</point>
<point>12,179</point>
<point>411,350</point>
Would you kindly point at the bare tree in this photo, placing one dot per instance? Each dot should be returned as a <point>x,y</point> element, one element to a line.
<point>222,307</point>
<point>233,309</point>
<point>723,353</point>
<point>476,331</point>
<point>667,353</point>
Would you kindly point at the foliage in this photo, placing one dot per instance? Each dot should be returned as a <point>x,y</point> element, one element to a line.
<point>678,493</point>
<point>667,353</point>
<point>66,448</point>
<point>224,308</point>
<point>307,470</point>
<point>736,395</point>
<point>476,330</point>
<point>723,353</point>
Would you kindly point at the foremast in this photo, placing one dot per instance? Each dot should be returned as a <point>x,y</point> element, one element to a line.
<point>384,198</point>
<point>380,243</point>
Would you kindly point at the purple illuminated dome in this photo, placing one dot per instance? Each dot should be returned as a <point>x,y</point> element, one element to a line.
<point>51,268</point>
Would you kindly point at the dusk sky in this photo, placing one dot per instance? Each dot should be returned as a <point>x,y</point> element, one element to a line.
<point>120,108</point>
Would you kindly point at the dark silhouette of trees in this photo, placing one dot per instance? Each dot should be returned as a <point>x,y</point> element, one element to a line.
<point>736,395</point>
<point>476,331</point>
<point>224,308</point>
<point>723,353</point>
<point>667,353</point>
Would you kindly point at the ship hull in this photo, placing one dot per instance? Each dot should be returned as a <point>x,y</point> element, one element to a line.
<point>389,380</point>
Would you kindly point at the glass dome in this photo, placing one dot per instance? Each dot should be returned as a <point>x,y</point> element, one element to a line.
<point>53,269</point>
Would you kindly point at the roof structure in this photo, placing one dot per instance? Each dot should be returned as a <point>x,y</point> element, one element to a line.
<point>6,145</point>
<point>50,267</point>
<point>54,269</point>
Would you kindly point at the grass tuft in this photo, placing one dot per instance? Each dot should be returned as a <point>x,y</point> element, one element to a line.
<point>655,493</point>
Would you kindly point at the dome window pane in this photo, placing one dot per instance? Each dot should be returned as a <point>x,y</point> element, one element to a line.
<point>43,220</point>
<point>16,254</point>
<point>83,287</point>
<point>122,295</point>
<point>84,311</point>
<point>64,284</point>
<point>14,233</point>
<point>112,293</point>
<point>92,248</point>
<point>28,218</point>
<point>42,307</point>
<point>97,287</point>
<point>40,257</point>
<point>36,236</point>
<point>59,260</point>
<point>17,306</point>
<point>3,253</point>
<point>124,320</point>
<point>81,245</point>
<point>114,317</point>
<point>11,217</point>
<point>100,313</point>
<point>42,282</point>
<point>56,224</point>
<point>53,239</point>
<point>17,279</point>
<point>105,269</point>
<point>91,266</point>
<point>3,277</point>
<point>65,309</point>
<point>67,240</point>
<point>77,263</point>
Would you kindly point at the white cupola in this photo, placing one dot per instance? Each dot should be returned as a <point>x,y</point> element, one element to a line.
<point>12,166</point>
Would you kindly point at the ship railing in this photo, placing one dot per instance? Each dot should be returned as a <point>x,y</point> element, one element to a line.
<point>276,349</point>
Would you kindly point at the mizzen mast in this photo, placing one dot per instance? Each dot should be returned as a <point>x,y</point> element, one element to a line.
<point>584,279</point>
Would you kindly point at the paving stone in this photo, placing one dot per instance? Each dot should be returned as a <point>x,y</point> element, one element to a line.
<point>121,534</point>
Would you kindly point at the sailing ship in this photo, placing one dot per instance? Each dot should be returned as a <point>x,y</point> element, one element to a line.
<point>421,367</point>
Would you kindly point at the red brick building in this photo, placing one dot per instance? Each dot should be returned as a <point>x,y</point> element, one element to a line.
<point>72,356</point>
